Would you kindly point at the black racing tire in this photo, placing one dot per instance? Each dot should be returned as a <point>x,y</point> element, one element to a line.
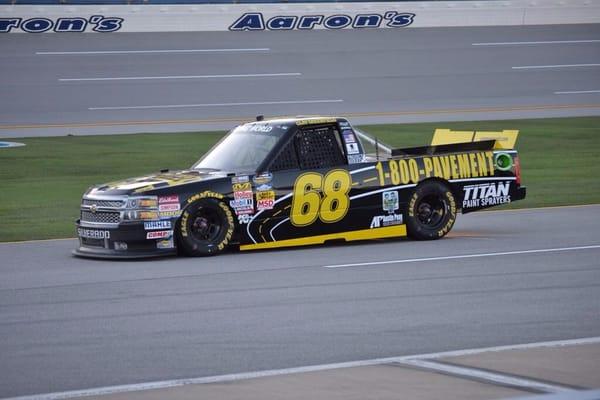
<point>205,228</point>
<point>431,211</point>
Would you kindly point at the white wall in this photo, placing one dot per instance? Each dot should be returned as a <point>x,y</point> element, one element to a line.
<point>164,18</point>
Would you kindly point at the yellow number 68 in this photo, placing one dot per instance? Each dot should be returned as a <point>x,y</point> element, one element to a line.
<point>308,204</point>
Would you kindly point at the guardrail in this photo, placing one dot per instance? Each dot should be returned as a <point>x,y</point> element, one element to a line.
<point>298,16</point>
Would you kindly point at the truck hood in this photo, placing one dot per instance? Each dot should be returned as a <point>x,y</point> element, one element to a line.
<point>147,183</point>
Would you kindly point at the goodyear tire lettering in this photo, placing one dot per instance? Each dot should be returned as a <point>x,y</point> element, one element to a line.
<point>191,244</point>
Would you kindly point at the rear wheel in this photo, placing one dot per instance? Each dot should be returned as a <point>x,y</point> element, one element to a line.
<point>431,211</point>
<point>205,228</point>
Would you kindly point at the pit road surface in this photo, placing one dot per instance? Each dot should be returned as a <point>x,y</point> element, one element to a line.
<point>68,323</point>
<point>57,84</point>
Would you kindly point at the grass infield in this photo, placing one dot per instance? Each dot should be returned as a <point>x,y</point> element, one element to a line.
<point>41,184</point>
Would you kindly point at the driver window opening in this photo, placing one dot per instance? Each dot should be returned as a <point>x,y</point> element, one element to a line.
<point>319,147</point>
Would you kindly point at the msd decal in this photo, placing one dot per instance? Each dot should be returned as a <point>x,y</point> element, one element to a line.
<point>256,22</point>
<point>96,23</point>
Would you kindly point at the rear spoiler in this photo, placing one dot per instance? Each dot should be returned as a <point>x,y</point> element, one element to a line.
<point>504,140</point>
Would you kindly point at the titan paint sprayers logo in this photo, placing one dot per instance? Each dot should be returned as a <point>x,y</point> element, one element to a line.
<point>486,194</point>
<point>98,23</point>
<point>256,21</point>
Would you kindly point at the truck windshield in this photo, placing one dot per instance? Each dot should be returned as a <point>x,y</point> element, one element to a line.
<point>242,149</point>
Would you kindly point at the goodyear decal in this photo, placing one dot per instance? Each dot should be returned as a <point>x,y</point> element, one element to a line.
<point>453,166</point>
<point>255,21</point>
<point>95,23</point>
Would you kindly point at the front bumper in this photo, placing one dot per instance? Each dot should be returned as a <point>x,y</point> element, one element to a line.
<point>91,252</point>
<point>109,242</point>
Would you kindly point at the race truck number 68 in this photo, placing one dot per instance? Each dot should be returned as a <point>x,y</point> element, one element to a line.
<point>317,196</point>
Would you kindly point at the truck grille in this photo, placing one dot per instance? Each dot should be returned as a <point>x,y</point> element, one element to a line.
<point>104,203</point>
<point>101,217</point>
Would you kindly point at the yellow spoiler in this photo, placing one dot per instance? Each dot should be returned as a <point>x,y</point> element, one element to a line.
<point>505,140</point>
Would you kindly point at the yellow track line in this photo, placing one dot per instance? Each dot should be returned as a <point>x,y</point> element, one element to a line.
<point>350,114</point>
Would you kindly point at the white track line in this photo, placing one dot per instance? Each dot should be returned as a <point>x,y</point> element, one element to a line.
<point>556,66</point>
<point>577,91</point>
<point>487,376</point>
<point>254,103</point>
<point>285,371</point>
<point>462,256</point>
<point>166,51</point>
<point>539,42</point>
<point>139,78</point>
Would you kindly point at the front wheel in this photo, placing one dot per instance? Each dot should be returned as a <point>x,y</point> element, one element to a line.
<point>206,227</point>
<point>431,211</point>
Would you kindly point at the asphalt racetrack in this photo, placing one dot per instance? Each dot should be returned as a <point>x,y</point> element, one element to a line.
<point>57,84</point>
<point>500,278</point>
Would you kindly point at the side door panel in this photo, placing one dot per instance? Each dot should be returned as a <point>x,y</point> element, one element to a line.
<point>317,201</point>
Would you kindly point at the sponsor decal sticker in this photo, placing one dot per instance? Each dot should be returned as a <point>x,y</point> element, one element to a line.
<point>386,220</point>
<point>486,194</point>
<point>168,199</point>
<point>242,206</point>
<point>241,188</point>
<point>240,179</point>
<point>150,225</point>
<point>169,214</point>
<point>148,215</point>
<point>243,197</point>
<point>390,201</point>
<point>165,244</point>
<point>349,137</point>
<point>244,219</point>
<point>265,200</point>
<point>159,234</point>
<point>264,128</point>
<point>352,148</point>
<point>314,121</point>
<point>356,158</point>
<point>93,233</point>
<point>263,179</point>
<point>169,207</point>
<point>504,161</point>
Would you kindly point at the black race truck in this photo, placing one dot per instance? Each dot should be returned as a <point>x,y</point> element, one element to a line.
<point>300,181</point>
